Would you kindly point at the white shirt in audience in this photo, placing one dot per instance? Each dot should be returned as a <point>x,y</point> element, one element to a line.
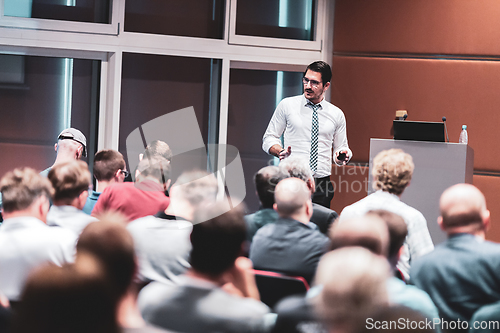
<point>26,243</point>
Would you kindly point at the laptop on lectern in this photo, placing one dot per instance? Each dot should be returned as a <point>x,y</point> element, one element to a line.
<point>418,130</point>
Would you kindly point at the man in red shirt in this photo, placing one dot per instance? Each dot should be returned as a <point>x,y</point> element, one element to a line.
<point>144,197</point>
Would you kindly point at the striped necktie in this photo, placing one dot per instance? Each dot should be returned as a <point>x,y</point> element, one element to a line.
<point>313,159</point>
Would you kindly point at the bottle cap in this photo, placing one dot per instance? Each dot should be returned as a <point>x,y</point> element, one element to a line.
<point>464,127</point>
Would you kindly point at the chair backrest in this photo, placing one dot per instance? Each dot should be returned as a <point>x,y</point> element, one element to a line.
<point>275,286</point>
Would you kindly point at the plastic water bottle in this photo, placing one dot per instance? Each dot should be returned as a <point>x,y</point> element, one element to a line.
<point>464,137</point>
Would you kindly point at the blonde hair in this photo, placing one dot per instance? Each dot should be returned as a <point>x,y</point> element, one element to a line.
<point>392,171</point>
<point>69,180</point>
<point>21,187</point>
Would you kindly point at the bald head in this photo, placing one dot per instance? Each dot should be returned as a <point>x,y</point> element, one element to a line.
<point>368,231</point>
<point>292,196</point>
<point>463,205</point>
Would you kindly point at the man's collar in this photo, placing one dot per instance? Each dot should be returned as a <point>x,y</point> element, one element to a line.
<point>306,101</point>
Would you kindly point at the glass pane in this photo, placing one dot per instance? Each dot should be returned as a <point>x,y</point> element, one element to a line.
<point>192,18</point>
<point>41,96</point>
<point>155,86</point>
<point>253,96</point>
<point>96,11</point>
<point>276,18</point>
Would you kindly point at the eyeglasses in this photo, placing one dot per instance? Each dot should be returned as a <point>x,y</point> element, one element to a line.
<point>125,173</point>
<point>313,83</point>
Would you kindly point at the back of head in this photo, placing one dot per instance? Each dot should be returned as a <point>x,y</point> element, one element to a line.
<point>21,187</point>
<point>354,283</point>
<point>110,242</point>
<point>69,180</point>
<point>397,228</point>
<point>158,148</point>
<point>265,181</point>
<point>321,67</point>
<point>463,205</point>
<point>155,167</point>
<point>392,171</point>
<point>66,299</point>
<point>369,232</point>
<point>291,195</point>
<point>196,187</point>
<point>217,241</point>
<point>106,163</point>
<point>67,139</point>
<point>296,167</point>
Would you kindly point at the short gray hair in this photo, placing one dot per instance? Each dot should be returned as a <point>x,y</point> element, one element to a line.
<point>296,167</point>
<point>197,187</point>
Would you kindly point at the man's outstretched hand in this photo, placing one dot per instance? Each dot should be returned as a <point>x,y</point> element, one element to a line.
<point>285,153</point>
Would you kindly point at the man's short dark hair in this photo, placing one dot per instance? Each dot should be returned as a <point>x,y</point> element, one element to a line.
<point>217,241</point>
<point>266,180</point>
<point>110,242</point>
<point>323,68</point>
<point>66,299</point>
<point>106,163</point>
<point>21,187</point>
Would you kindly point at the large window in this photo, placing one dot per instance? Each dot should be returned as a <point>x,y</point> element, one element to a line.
<point>276,18</point>
<point>153,86</point>
<point>41,96</point>
<point>193,18</point>
<point>253,96</point>
<point>97,11</point>
<point>111,67</point>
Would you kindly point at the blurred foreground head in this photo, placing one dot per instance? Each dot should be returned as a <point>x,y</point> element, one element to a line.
<point>353,283</point>
<point>67,299</point>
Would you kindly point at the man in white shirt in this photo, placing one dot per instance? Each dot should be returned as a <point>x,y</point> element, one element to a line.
<point>392,171</point>
<point>311,126</point>
<point>25,240</point>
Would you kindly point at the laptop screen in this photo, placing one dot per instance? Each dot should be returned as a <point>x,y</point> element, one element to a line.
<point>418,130</point>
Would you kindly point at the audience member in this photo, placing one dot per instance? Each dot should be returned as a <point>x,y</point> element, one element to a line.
<point>460,275</point>
<point>382,233</point>
<point>109,168</point>
<point>265,181</point>
<point>354,285</point>
<point>392,171</point>
<point>298,167</point>
<point>198,303</point>
<point>71,145</point>
<point>399,291</point>
<point>162,241</point>
<point>66,299</point>
<point>368,231</point>
<point>25,240</point>
<point>156,148</point>
<point>144,197</point>
<point>113,246</point>
<point>290,245</point>
<point>71,181</point>
<point>295,314</point>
